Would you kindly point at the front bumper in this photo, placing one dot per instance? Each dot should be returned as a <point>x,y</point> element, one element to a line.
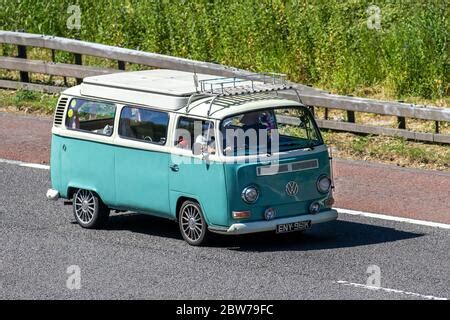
<point>262,226</point>
<point>52,194</point>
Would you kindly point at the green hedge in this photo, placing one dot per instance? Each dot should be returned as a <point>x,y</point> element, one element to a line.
<point>323,43</point>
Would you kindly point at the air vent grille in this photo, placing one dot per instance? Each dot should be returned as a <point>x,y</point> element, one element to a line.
<point>59,113</point>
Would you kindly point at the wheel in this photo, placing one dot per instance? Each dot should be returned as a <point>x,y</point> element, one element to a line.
<point>89,210</point>
<point>192,224</point>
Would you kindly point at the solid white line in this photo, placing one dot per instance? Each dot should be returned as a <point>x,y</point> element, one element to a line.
<point>359,285</point>
<point>26,164</point>
<point>392,218</point>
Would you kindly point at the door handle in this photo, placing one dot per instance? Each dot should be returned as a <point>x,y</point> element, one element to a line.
<point>174,167</point>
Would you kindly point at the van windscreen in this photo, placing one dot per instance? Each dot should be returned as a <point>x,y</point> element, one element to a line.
<point>269,131</point>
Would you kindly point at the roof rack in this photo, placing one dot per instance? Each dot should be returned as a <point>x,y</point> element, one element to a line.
<point>224,91</point>
<point>247,84</point>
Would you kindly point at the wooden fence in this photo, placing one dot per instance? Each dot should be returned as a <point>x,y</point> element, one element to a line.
<point>310,96</point>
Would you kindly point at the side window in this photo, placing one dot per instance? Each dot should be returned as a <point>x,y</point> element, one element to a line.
<point>91,116</point>
<point>194,133</point>
<point>143,124</point>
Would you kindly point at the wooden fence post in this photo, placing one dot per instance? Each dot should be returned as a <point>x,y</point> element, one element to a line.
<point>22,53</point>
<point>79,61</point>
<point>351,116</point>
<point>401,121</point>
<point>121,65</point>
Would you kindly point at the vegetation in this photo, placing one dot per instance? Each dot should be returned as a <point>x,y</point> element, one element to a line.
<point>25,101</point>
<point>326,43</point>
<point>396,151</point>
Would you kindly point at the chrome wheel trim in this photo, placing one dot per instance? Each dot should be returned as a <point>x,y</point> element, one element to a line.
<point>85,208</point>
<point>191,222</point>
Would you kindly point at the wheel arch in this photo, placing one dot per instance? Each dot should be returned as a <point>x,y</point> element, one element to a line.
<point>182,199</point>
<point>72,190</point>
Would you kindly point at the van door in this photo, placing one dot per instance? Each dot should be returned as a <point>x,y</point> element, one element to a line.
<point>142,161</point>
<point>193,177</point>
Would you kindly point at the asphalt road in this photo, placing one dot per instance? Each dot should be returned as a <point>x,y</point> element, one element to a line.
<point>138,256</point>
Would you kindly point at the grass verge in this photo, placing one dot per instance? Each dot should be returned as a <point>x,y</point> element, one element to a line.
<point>390,150</point>
<point>24,101</point>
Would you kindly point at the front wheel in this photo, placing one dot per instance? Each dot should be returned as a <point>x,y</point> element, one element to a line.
<point>192,224</point>
<point>89,210</point>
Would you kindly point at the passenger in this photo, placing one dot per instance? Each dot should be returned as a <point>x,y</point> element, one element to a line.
<point>207,139</point>
<point>182,143</point>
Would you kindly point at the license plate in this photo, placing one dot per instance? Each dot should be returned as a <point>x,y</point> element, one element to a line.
<point>293,226</point>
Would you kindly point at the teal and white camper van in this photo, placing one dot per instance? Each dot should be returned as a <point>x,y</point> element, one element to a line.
<point>221,155</point>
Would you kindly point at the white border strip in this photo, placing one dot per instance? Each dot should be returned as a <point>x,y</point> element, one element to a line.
<point>393,218</point>
<point>26,164</point>
<point>359,285</point>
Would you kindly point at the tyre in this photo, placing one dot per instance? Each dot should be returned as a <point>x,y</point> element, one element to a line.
<point>89,210</point>
<point>192,224</point>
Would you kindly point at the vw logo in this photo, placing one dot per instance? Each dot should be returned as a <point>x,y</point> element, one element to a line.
<point>292,188</point>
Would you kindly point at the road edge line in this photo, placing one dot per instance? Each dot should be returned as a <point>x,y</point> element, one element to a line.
<point>394,218</point>
<point>26,164</point>
<point>364,286</point>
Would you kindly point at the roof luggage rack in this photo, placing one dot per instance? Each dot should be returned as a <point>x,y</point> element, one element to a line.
<point>225,91</point>
<point>244,85</point>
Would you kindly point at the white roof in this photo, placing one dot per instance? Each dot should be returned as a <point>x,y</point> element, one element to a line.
<point>165,89</point>
<point>162,81</point>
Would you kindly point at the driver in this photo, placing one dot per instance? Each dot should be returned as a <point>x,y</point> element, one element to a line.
<point>252,120</point>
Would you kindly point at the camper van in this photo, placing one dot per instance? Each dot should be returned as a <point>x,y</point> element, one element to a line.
<point>216,155</point>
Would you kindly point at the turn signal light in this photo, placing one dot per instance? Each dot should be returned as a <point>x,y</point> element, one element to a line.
<point>329,202</point>
<point>241,214</point>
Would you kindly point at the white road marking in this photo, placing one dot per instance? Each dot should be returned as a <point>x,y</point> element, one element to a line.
<point>26,164</point>
<point>345,211</point>
<point>359,285</point>
<point>393,218</point>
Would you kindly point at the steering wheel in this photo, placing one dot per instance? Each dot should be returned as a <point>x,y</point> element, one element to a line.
<point>148,138</point>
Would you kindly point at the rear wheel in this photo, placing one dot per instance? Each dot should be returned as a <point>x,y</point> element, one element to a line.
<point>192,224</point>
<point>89,210</point>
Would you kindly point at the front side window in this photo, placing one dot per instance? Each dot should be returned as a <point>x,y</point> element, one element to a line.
<point>195,135</point>
<point>91,116</point>
<point>144,125</point>
<point>268,131</point>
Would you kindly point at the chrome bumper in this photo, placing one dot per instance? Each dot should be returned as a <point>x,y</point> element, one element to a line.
<point>262,226</point>
<point>52,194</point>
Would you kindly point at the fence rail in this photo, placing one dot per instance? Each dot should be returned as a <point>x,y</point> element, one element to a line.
<point>310,96</point>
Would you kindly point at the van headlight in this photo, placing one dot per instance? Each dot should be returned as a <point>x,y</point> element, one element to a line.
<point>323,184</point>
<point>250,194</point>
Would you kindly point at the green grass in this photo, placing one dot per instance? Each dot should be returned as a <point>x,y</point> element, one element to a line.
<point>390,150</point>
<point>28,101</point>
<point>326,43</point>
